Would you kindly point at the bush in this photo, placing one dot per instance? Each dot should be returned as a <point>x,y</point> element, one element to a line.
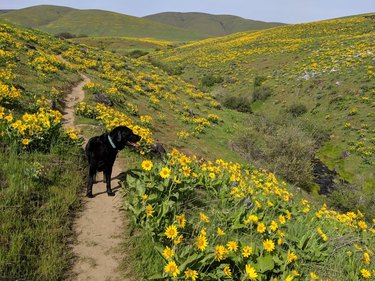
<point>239,103</point>
<point>262,93</point>
<point>278,145</point>
<point>297,109</point>
<point>258,81</point>
<point>347,197</point>
<point>137,54</point>
<point>65,35</point>
<point>210,80</point>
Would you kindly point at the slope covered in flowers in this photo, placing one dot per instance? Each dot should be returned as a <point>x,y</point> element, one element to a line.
<point>326,66</point>
<point>225,221</point>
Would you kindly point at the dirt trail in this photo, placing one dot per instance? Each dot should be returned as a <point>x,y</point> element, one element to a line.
<point>100,225</point>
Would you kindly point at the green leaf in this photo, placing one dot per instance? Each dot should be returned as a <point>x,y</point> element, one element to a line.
<point>265,263</point>
<point>188,261</point>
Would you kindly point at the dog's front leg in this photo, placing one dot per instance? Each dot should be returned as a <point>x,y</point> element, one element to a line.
<point>90,181</point>
<point>107,176</point>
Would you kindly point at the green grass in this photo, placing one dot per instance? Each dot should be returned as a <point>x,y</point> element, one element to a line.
<point>123,45</point>
<point>39,194</point>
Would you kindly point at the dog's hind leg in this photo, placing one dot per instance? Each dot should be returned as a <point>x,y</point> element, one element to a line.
<point>107,176</point>
<point>90,181</point>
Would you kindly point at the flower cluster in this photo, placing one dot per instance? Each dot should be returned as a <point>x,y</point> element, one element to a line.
<point>111,118</point>
<point>245,225</point>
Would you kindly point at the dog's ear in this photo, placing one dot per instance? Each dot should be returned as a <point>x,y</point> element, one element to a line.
<point>122,135</point>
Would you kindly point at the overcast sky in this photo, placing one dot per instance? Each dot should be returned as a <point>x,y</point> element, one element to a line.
<point>287,11</point>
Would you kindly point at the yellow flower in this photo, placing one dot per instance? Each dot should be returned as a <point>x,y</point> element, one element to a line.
<point>172,268</point>
<point>144,197</point>
<point>227,271</point>
<point>165,172</point>
<point>73,136</point>
<point>314,276</point>
<point>289,278</point>
<point>187,171</point>
<point>149,210</point>
<point>365,273</point>
<point>168,253</point>
<point>204,217</point>
<point>274,226</point>
<point>282,219</point>
<point>171,232</point>
<point>261,228</point>
<point>220,252</point>
<point>25,141</point>
<point>232,246</point>
<point>178,240</point>
<point>147,165</point>
<point>220,232</point>
<point>181,220</point>
<point>201,242</point>
<point>251,218</point>
<point>362,224</point>
<point>268,245</point>
<point>251,272</point>
<point>212,176</point>
<point>291,256</point>
<point>366,258</point>
<point>247,251</point>
<point>192,274</point>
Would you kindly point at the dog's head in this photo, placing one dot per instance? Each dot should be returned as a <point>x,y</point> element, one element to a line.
<point>122,136</point>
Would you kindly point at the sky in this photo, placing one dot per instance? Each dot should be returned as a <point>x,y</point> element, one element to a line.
<point>286,11</point>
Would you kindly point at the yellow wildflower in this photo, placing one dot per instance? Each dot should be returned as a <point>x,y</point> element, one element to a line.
<point>172,268</point>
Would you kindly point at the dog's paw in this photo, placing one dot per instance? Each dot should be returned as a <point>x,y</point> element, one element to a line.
<point>111,193</point>
<point>89,195</point>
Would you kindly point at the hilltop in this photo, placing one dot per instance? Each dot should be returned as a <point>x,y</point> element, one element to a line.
<point>56,19</point>
<point>214,25</point>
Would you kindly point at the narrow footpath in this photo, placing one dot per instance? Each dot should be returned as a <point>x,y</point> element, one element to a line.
<point>99,226</point>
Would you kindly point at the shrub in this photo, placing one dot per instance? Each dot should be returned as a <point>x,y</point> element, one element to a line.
<point>137,54</point>
<point>210,80</point>
<point>279,145</point>
<point>239,103</point>
<point>297,109</point>
<point>262,93</point>
<point>258,81</point>
<point>65,35</point>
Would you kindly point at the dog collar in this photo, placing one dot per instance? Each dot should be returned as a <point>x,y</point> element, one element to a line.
<point>111,142</point>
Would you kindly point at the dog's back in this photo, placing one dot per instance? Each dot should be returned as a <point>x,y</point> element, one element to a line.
<point>98,154</point>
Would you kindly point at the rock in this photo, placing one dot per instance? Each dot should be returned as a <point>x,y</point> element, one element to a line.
<point>102,98</point>
<point>158,150</point>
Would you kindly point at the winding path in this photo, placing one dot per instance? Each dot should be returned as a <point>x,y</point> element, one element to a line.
<point>99,227</point>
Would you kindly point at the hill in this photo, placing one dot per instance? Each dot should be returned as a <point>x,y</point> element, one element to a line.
<point>130,46</point>
<point>214,25</point>
<point>191,215</point>
<point>316,75</point>
<point>56,19</point>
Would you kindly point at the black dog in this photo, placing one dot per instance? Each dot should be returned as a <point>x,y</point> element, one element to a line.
<point>101,153</point>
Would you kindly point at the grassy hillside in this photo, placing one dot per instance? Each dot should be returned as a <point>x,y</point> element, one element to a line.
<point>214,25</point>
<point>125,45</point>
<point>56,19</point>
<point>318,73</point>
<point>194,217</point>
<point>38,191</point>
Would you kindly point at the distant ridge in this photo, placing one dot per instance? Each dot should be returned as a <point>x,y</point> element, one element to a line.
<point>5,11</point>
<point>98,23</point>
<point>57,19</point>
<point>214,25</point>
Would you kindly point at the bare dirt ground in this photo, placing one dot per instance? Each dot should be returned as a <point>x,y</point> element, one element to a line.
<point>99,227</point>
